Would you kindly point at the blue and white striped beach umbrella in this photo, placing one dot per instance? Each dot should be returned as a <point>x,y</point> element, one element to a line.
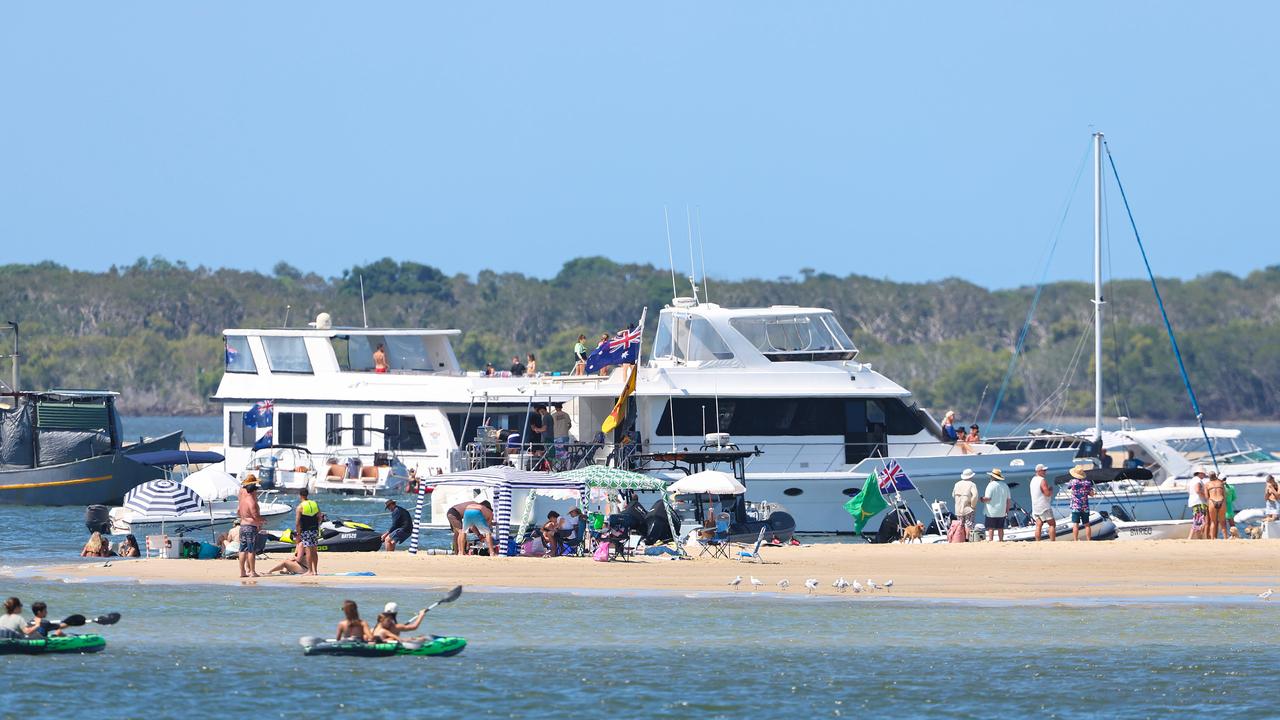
<point>162,497</point>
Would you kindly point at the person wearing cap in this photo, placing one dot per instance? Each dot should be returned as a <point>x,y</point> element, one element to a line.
<point>401,526</point>
<point>1042,503</point>
<point>996,501</point>
<point>965,494</point>
<point>1198,502</point>
<point>250,524</point>
<point>1081,488</point>
<point>391,609</point>
<point>306,527</point>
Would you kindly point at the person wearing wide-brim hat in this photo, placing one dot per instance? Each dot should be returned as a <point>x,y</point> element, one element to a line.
<point>1080,488</point>
<point>965,495</point>
<point>250,524</point>
<point>996,502</point>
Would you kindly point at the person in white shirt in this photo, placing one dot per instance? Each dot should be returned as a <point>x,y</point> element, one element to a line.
<point>965,494</point>
<point>1042,503</point>
<point>1198,502</point>
<point>996,500</point>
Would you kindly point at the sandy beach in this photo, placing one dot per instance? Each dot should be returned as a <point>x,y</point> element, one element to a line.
<point>1010,571</point>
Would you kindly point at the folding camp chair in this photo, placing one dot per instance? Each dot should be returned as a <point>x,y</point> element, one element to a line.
<point>754,552</point>
<point>718,544</point>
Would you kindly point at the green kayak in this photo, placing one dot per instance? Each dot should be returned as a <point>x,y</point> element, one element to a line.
<point>66,644</point>
<point>436,646</point>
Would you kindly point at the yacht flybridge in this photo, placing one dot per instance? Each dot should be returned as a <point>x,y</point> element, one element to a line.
<point>785,380</point>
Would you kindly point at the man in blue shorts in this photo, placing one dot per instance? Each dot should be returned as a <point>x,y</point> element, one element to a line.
<point>478,517</point>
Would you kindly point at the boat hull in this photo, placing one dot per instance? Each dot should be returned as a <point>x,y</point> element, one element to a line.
<point>101,480</point>
<point>1152,529</point>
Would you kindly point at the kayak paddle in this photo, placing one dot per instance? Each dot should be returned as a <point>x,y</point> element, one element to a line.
<point>80,620</point>
<point>450,597</point>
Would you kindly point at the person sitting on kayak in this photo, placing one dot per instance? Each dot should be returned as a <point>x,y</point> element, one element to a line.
<point>353,628</point>
<point>12,625</point>
<point>388,630</point>
<point>391,609</point>
<point>41,625</point>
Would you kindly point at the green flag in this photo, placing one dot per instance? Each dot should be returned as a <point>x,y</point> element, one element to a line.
<point>866,504</point>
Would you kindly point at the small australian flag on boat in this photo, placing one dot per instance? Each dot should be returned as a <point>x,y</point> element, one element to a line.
<point>617,350</point>
<point>893,477</point>
<point>260,415</point>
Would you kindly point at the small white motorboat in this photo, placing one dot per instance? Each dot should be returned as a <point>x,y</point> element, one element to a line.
<point>1151,529</point>
<point>205,501</point>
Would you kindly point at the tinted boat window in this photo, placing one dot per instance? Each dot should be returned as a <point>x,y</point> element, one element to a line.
<point>238,357</point>
<point>287,354</point>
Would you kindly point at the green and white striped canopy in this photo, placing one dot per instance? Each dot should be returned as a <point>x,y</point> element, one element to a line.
<point>612,478</point>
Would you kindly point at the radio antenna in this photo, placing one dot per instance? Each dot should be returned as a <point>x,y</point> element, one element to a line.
<point>693,268</point>
<point>702,250</point>
<point>363,311</point>
<point>287,308</point>
<point>666,218</point>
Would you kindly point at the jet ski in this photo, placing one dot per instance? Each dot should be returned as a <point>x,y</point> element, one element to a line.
<point>335,536</point>
<point>437,646</point>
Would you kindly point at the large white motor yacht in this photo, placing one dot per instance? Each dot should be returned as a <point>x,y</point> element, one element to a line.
<point>784,379</point>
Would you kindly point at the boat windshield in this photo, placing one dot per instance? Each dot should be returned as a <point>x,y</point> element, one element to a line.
<point>807,336</point>
<point>689,338</point>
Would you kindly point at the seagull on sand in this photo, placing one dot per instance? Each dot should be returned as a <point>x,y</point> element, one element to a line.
<point>784,583</point>
<point>857,586</point>
<point>736,582</point>
<point>840,584</point>
<point>888,585</point>
<point>755,582</point>
<point>1267,595</point>
<point>811,584</point>
<point>871,585</point>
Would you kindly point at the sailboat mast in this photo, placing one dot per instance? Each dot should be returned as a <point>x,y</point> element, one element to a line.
<point>1097,291</point>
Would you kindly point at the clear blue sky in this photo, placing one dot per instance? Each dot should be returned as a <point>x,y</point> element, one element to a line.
<point>908,140</point>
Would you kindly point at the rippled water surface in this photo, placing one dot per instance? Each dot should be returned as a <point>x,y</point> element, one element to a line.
<point>232,651</point>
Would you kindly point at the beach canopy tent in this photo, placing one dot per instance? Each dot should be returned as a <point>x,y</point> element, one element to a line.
<point>605,478</point>
<point>501,480</point>
<point>707,482</point>
<point>162,497</point>
<point>212,484</point>
<point>1106,475</point>
<point>169,458</point>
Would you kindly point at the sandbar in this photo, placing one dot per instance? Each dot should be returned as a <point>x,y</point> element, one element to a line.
<point>1003,571</point>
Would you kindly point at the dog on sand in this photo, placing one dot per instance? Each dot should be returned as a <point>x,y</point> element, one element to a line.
<point>913,532</point>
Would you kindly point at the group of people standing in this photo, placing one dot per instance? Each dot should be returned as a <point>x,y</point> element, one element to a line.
<point>997,500</point>
<point>1212,501</point>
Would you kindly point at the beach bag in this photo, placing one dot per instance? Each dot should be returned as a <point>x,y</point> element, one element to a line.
<point>956,533</point>
<point>601,553</point>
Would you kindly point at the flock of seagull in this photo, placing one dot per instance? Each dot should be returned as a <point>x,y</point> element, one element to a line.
<point>811,585</point>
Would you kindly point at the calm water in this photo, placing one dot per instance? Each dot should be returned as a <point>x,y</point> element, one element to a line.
<point>232,652</point>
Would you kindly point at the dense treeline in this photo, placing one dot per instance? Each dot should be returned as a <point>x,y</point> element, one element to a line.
<point>152,330</point>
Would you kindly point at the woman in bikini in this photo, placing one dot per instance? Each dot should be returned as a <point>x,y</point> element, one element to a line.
<point>1216,489</point>
<point>353,628</point>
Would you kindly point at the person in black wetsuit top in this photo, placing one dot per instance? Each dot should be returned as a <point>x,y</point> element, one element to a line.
<point>401,526</point>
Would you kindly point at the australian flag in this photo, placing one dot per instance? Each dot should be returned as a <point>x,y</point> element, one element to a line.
<point>893,477</point>
<point>617,350</point>
<point>265,441</point>
<point>260,415</point>
<point>232,355</point>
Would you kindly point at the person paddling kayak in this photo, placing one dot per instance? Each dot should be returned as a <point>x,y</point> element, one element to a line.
<point>41,625</point>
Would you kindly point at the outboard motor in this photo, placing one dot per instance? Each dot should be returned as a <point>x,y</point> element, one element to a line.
<point>97,518</point>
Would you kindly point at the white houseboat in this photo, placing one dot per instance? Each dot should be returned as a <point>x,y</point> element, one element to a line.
<point>783,379</point>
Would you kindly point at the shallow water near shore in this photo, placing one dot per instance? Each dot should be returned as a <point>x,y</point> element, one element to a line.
<point>217,650</point>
